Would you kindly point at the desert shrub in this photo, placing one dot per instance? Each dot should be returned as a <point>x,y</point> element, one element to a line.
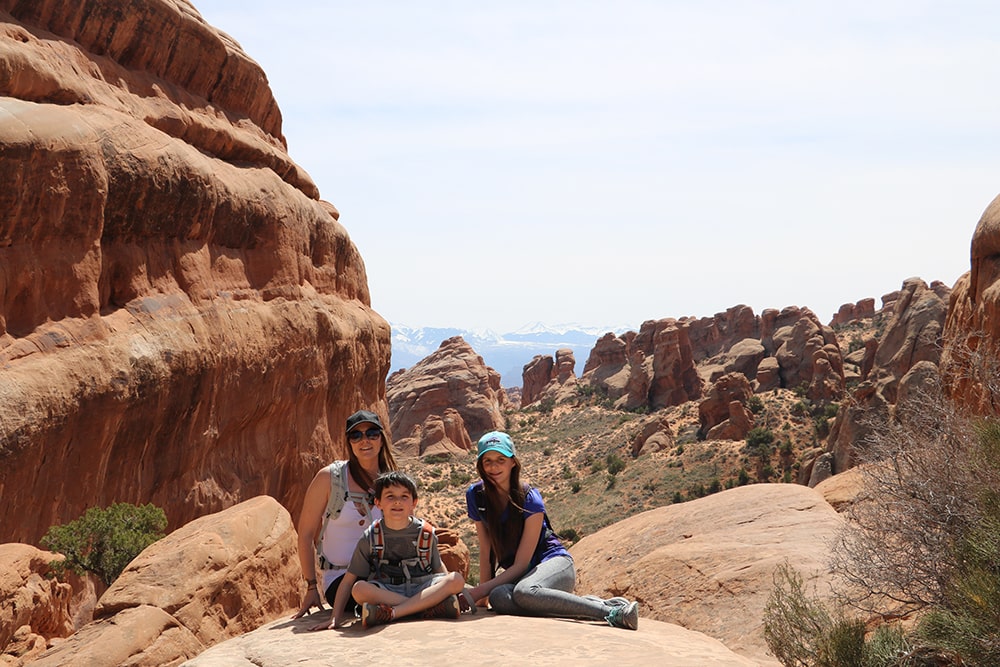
<point>925,475</point>
<point>801,632</point>
<point>569,535</point>
<point>927,536</point>
<point>575,487</point>
<point>755,404</point>
<point>759,435</point>
<point>615,463</point>
<point>104,541</point>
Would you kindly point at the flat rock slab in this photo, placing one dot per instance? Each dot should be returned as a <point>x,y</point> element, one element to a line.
<point>481,639</point>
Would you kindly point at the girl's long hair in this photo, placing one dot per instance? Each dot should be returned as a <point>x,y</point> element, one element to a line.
<point>504,534</point>
<point>386,462</point>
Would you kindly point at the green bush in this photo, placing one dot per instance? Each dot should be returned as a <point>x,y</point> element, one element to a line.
<point>615,463</point>
<point>104,541</point>
<point>800,632</point>
<point>759,435</point>
<point>755,404</point>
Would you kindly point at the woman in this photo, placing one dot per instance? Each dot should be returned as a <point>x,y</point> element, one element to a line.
<point>337,508</point>
<point>524,568</point>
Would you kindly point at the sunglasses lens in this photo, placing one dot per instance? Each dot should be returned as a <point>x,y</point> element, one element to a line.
<point>373,433</point>
<point>354,436</point>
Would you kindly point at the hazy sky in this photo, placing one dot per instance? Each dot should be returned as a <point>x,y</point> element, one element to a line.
<point>499,163</point>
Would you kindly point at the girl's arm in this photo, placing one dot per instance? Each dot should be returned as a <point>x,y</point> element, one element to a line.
<point>310,519</point>
<point>522,559</point>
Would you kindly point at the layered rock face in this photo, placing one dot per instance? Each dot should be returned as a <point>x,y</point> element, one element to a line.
<point>182,320</point>
<point>445,402</point>
<point>972,330</point>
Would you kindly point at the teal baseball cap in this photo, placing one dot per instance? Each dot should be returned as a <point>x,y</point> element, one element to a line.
<point>496,441</point>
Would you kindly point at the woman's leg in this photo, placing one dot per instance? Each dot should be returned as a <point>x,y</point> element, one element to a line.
<point>547,590</point>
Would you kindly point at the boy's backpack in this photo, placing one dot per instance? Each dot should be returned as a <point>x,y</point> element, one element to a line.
<point>479,491</point>
<point>340,493</point>
<point>424,560</point>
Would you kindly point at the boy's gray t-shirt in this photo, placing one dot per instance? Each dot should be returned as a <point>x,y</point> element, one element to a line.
<point>399,545</point>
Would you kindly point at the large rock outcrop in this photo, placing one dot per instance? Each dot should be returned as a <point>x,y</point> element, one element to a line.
<point>182,320</point>
<point>972,330</point>
<point>445,402</point>
<point>708,564</point>
<point>913,335</point>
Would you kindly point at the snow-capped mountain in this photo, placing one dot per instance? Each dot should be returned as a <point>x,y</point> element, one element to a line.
<point>507,352</point>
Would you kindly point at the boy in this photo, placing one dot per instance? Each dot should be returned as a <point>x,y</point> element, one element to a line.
<point>398,555</point>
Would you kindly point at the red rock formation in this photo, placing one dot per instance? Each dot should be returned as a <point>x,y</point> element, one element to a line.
<point>712,335</point>
<point>851,312</point>
<point>536,375</point>
<point>34,607</point>
<point>452,377</point>
<point>913,335</point>
<point>176,302</point>
<point>717,407</point>
<point>654,435</point>
<point>548,378</point>
<point>675,379</point>
<point>972,330</point>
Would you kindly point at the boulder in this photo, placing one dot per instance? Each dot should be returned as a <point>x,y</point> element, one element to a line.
<point>34,606</point>
<point>654,435</point>
<point>217,577</point>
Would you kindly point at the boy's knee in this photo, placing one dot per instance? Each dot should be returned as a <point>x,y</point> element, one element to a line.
<point>456,582</point>
<point>361,591</point>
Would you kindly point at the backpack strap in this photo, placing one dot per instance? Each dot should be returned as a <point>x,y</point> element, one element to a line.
<point>424,542</point>
<point>339,494</point>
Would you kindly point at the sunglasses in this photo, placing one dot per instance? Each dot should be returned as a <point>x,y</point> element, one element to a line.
<point>372,434</point>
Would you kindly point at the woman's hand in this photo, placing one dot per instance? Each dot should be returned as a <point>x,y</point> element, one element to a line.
<point>309,600</point>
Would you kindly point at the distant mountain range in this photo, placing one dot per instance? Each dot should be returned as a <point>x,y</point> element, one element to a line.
<point>507,353</point>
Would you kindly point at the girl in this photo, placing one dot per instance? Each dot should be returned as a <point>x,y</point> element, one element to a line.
<point>524,569</point>
<point>337,508</point>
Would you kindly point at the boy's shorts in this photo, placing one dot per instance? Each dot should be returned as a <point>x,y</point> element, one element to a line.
<point>410,589</point>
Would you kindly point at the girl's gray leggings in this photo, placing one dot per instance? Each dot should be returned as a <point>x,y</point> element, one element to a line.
<point>547,590</point>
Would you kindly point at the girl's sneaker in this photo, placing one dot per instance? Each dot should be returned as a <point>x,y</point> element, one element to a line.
<point>624,616</point>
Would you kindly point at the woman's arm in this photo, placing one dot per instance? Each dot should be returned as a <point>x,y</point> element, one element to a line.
<point>522,559</point>
<point>310,520</point>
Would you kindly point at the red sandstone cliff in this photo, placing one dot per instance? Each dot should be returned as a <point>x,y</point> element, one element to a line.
<point>182,320</point>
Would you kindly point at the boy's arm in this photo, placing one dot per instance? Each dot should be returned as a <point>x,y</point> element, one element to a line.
<point>337,619</point>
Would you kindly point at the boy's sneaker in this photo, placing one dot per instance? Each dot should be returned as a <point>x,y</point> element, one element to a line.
<point>624,616</point>
<point>447,608</point>
<point>375,614</point>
